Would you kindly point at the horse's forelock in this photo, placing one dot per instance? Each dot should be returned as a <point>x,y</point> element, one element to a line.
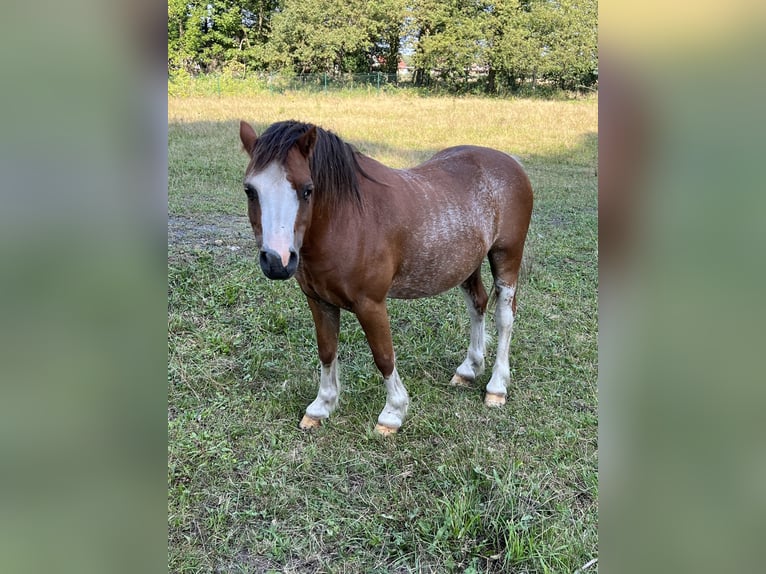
<point>276,142</point>
<point>333,163</point>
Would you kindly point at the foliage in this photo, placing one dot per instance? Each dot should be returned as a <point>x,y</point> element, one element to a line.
<point>496,45</point>
<point>204,35</point>
<point>450,39</point>
<point>332,35</point>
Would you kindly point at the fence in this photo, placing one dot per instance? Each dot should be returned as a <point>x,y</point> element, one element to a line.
<point>330,82</point>
<point>228,82</point>
<point>238,81</point>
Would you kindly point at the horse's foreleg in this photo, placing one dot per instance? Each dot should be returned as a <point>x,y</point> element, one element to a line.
<point>504,314</point>
<point>373,317</point>
<point>476,300</point>
<point>327,323</point>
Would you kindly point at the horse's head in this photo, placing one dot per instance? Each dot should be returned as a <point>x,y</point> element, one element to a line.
<point>279,194</point>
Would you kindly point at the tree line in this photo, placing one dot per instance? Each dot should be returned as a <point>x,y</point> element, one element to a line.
<point>503,44</point>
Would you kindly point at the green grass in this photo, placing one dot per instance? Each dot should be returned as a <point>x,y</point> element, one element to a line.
<point>461,488</point>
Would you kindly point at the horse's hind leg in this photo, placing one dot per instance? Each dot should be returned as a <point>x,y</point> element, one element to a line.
<point>476,300</point>
<point>505,271</point>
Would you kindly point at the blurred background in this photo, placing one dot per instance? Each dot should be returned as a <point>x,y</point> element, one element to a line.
<point>681,313</point>
<point>82,277</point>
<point>83,284</point>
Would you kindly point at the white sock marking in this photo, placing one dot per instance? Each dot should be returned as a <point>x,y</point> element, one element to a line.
<point>473,366</point>
<point>397,402</point>
<point>501,373</point>
<point>329,390</point>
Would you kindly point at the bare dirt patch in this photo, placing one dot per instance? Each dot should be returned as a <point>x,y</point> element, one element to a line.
<point>219,234</point>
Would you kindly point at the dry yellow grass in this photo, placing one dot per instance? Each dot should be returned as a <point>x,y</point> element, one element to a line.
<point>404,129</point>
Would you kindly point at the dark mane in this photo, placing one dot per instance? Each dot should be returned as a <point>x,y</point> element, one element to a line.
<point>333,163</point>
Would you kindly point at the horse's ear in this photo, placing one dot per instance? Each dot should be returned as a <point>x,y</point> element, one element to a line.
<point>306,142</point>
<point>248,136</point>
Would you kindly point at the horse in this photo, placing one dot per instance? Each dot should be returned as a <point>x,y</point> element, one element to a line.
<point>354,232</point>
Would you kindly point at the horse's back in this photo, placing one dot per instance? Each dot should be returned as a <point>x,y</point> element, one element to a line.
<point>489,182</point>
<point>469,161</point>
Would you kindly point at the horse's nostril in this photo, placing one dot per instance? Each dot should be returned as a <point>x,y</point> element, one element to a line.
<point>272,266</point>
<point>270,260</point>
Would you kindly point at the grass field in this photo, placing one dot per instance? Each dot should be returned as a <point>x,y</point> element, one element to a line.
<point>461,488</point>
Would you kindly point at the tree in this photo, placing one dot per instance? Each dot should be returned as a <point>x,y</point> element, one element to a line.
<point>334,35</point>
<point>450,40</point>
<point>205,35</point>
<point>552,40</point>
<point>424,18</point>
<point>387,19</point>
<point>573,44</point>
<point>497,44</point>
<point>255,31</point>
<point>516,36</point>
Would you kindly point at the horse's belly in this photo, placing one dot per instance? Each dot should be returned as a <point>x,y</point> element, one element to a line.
<point>444,248</point>
<point>433,274</point>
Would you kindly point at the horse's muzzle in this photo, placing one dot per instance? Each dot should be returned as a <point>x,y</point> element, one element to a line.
<point>272,267</point>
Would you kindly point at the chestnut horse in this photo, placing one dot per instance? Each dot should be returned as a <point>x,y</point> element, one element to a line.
<point>354,232</point>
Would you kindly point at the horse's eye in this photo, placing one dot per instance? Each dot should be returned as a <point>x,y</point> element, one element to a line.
<point>250,191</point>
<point>307,190</point>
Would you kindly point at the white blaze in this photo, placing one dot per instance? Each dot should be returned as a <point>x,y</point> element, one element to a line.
<point>279,208</point>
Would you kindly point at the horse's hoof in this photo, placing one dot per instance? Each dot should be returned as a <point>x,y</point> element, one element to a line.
<point>309,423</point>
<point>384,430</point>
<point>493,400</point>
<point>459,381</point>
